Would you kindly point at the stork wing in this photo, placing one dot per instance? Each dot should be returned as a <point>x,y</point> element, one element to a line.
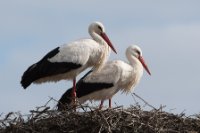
<point>52,63</point>
<point>92,82</point>
<point>95,81</point>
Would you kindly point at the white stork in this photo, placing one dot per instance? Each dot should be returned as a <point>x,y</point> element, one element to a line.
<point>114,76</point>
<point>67,61</point>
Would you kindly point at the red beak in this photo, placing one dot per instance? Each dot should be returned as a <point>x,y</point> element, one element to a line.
<point>144,64</point>
<point>105,37</point>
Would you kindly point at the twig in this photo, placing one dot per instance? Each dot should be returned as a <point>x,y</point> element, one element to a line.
<point>144,101</point>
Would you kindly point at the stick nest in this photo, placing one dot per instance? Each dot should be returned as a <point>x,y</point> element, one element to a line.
<point>116,120</point>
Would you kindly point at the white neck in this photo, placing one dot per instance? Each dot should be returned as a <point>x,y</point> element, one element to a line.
<point>105,52</point>
<point>93,34</point>
<point>103,48</point>
<point>136,64</point>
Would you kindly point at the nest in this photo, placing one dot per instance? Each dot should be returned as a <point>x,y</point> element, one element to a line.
<point>117,120</point>
<point>89,119</point>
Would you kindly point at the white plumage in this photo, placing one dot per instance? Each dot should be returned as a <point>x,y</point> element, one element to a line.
<point>114,76</point>
<point>85,52</point>
<point>67,61</point>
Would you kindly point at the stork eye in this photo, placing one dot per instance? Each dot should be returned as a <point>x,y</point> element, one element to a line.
<point>100,28</point>
<point>138,52</point>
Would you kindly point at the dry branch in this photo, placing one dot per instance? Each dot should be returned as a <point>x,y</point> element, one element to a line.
<point>132,119</point>
<point>115,120</point>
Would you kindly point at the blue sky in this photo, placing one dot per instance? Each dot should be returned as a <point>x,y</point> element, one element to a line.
<point>167,31</point>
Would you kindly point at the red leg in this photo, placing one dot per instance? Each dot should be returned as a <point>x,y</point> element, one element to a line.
<point>74,91</point>
<point>101,104</point>
<point>110,102</point>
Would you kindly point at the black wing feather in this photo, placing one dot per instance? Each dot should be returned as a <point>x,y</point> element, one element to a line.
<point>83,89</point>
<point>44,68</point>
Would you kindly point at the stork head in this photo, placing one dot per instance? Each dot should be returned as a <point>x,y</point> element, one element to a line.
<point>136,52</point>
<point>98,28</point>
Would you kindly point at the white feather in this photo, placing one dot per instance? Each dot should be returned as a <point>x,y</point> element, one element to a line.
<point>85,52</point>
<point>123,75</point>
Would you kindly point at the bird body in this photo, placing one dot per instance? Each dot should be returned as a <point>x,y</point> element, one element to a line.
<point>68,60</point>
<point>118,73</point>
<point>114,76</point>
<point>90,54</point>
